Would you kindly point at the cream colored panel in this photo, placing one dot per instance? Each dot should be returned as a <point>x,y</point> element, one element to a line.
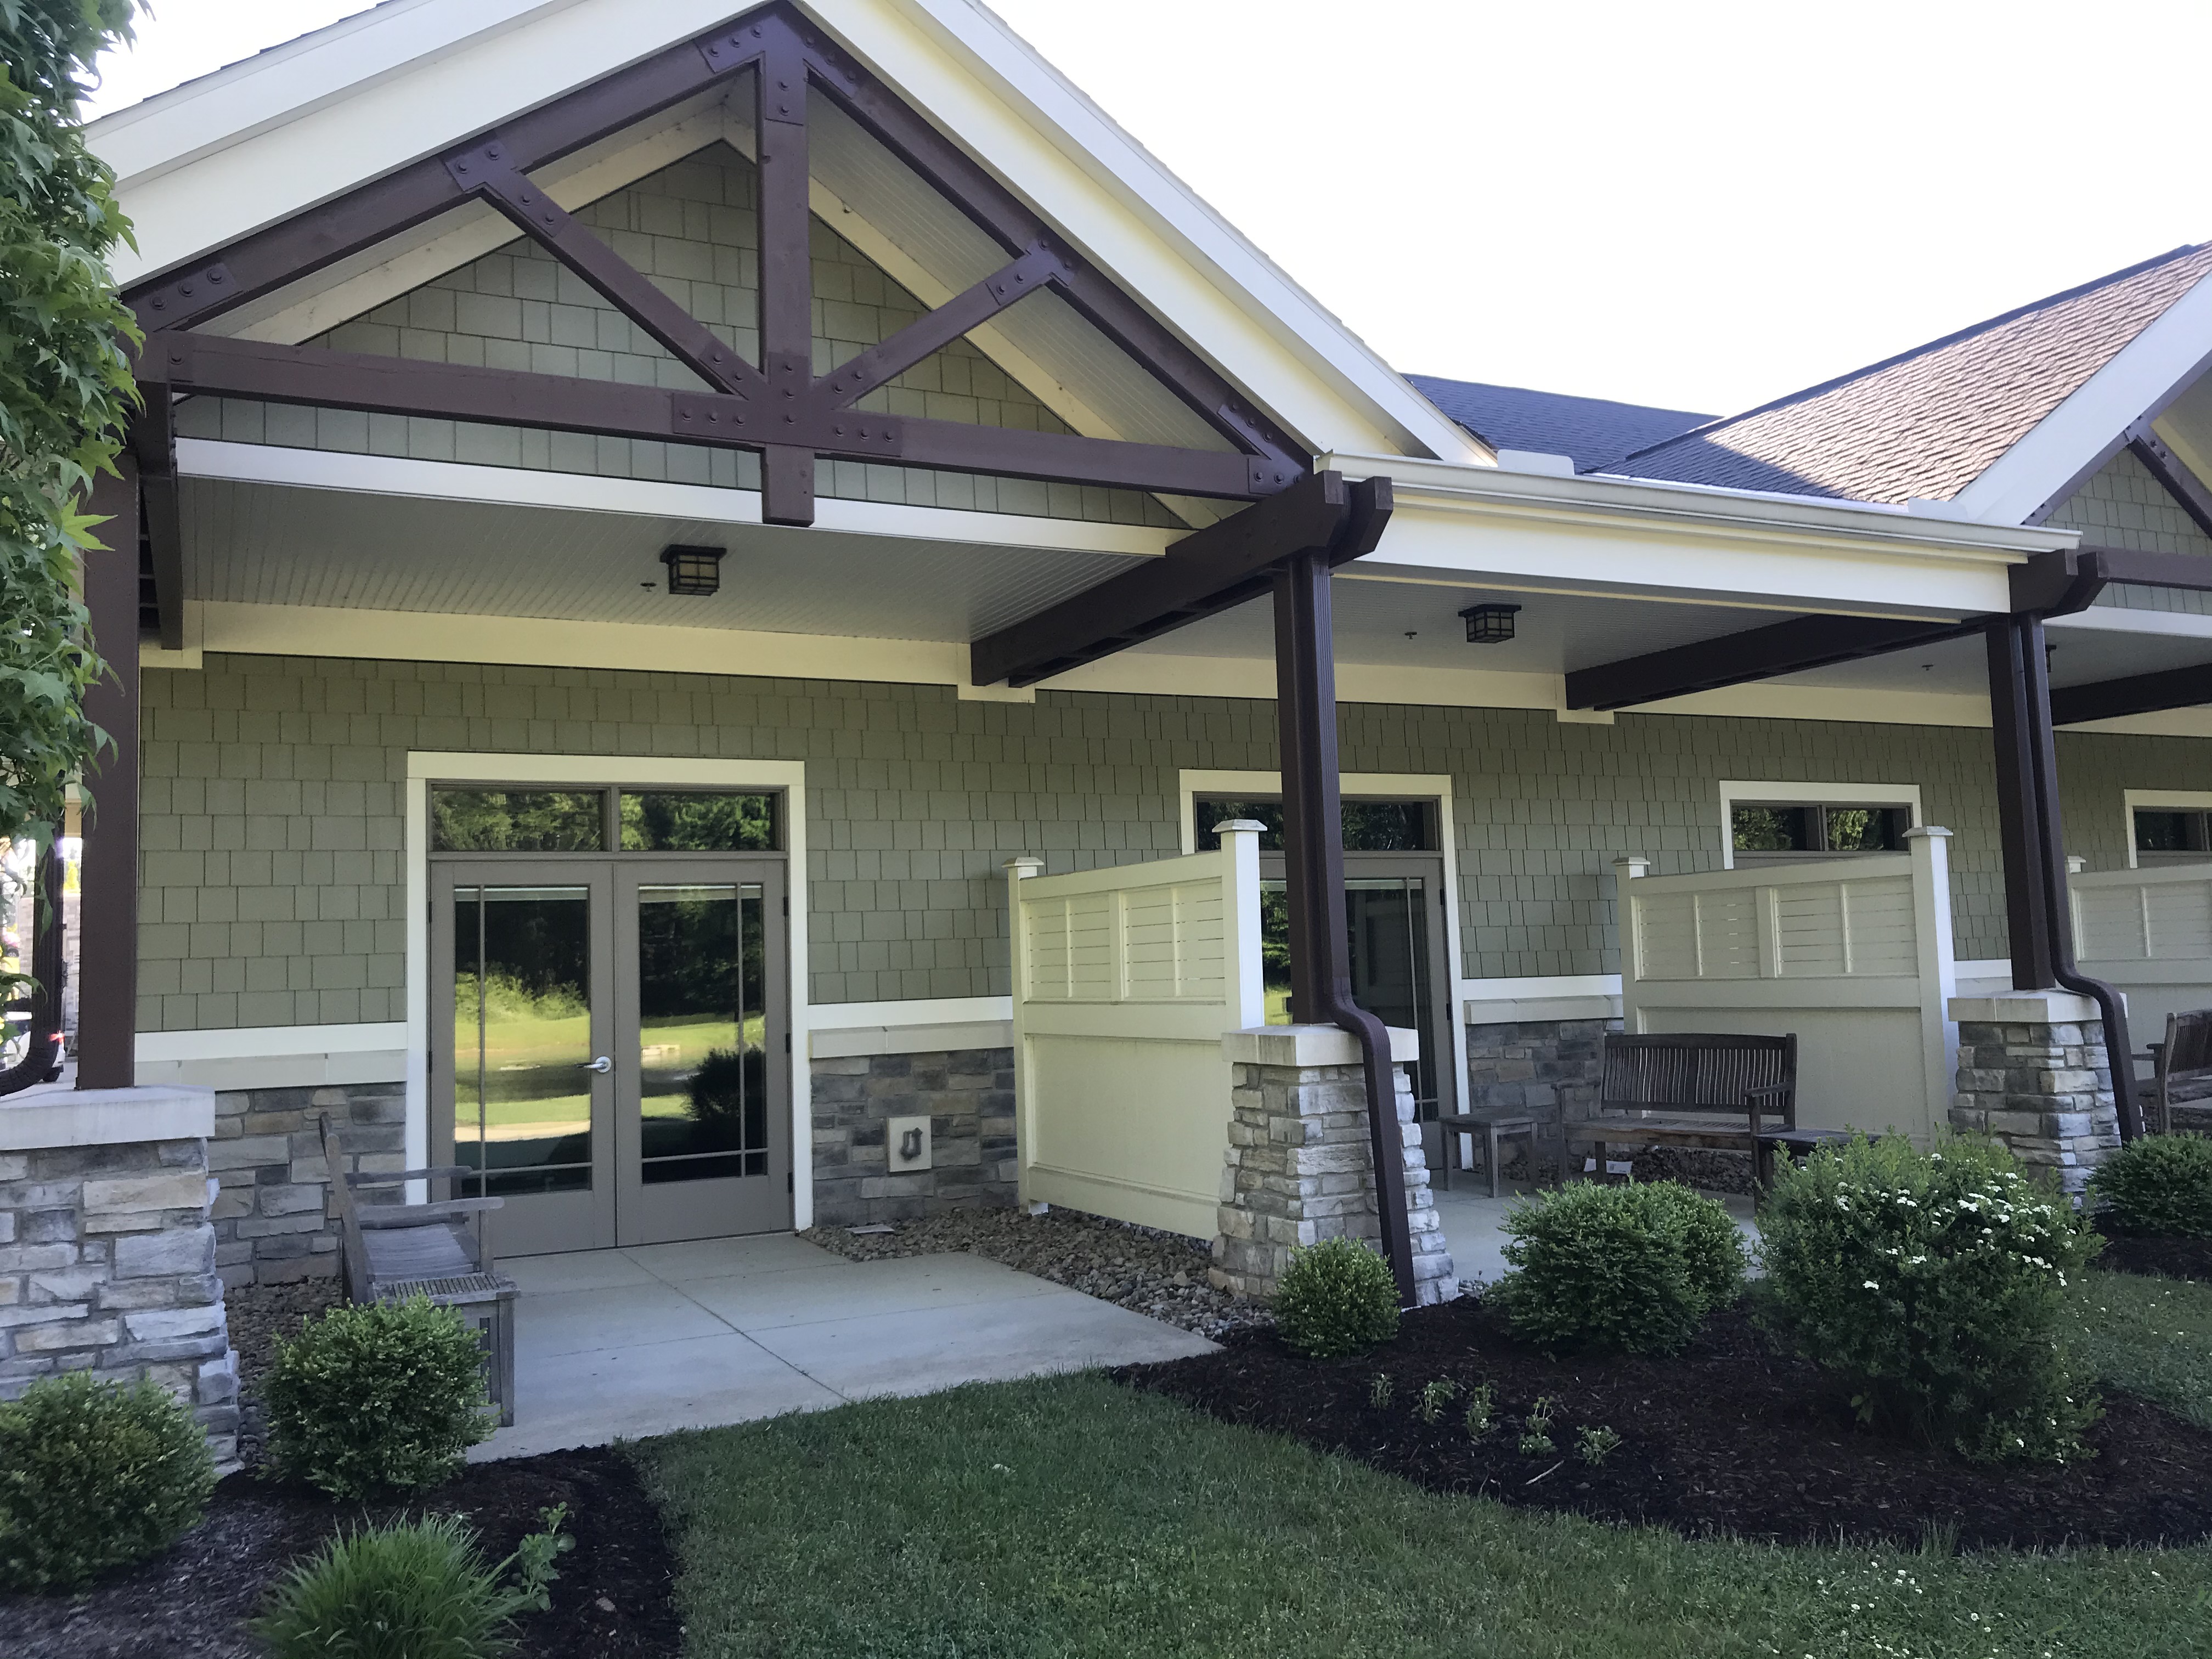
<point>1808,930</point>
<point>1727,935</point>
<point>1666,935</point>
<point>1883,936</point>
<point>2111,924</point>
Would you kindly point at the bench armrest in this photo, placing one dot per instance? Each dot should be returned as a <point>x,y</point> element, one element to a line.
<point>1767,1090</point>
<point>425,1215</point>
<point>436,1172</point>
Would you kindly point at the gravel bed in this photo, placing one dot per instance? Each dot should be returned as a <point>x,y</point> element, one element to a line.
<point>259,1316</point>
<point>1159,1274</point>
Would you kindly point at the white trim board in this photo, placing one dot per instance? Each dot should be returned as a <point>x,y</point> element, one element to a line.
<point>1733,790</point>
<point>2196,800</point>
<point>425,767</point>
<point>274,1056</point>
<point>1192,782</point>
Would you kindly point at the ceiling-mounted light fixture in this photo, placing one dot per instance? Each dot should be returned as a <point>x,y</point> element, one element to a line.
<point>693,571</point>
<point>1489,624</point>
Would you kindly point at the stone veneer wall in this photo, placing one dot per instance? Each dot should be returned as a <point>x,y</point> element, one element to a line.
<point>108,1266</point>
<point>272,1219</point>
<point>2041,1080</point>
<point>968,1096</point>
<point>1549,1068</point>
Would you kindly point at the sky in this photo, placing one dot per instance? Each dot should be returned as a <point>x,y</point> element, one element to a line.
<point>1701,204</point>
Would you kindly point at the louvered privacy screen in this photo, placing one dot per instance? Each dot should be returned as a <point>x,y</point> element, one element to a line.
<point>1125,981</point>
<point>2149,933</point>
<point>1852,954</point>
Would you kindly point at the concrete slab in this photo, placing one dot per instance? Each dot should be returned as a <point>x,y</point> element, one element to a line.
<point>700,1381</point>
<point>721,1258</point>
<point>911,1284</point>
<point>924,1351</point>
<point>1473,1225</point>
<point>576,1270</point>
<point>621,1344</point>
<point>558,1323</point>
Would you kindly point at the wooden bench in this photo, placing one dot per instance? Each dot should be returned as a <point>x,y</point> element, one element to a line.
<point>2181,1074</point>
<point>389,1252</point>
<point>1719,1090</point>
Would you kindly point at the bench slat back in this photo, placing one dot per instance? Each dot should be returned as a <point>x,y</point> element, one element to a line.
<point>1695,1072</point>
<point>355,1254</point>
<point>2188,1043</point>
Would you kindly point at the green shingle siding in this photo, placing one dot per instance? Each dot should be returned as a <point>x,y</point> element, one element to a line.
<point>2122,506</point>
<point>272,831</point>
<point>690,228</point>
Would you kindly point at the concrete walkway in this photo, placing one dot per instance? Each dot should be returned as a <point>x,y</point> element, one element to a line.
<point>635,1342</point>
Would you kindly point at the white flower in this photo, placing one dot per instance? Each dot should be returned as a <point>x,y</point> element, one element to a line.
<point>1872,1286</point>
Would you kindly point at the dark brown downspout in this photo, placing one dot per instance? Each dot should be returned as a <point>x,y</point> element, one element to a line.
<point>2038,914</point>
<point>1313,844</point>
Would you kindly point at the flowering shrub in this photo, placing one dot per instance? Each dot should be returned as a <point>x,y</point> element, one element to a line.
<point>1934,1283</point>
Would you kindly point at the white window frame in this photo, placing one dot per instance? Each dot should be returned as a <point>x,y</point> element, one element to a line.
<point>1752,792</point>
<point>1395,786</point>
<point>425,768</point>
<point>2172,801</point>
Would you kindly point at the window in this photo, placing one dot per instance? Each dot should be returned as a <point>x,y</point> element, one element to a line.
<point>1765,829</point>
<point>1369,826</point>
<point>2167,835</point>
<point>472,820</point>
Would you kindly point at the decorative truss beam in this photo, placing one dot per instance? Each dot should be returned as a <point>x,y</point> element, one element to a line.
<point>777,406</point>
<point>1208,570</point>
<point>2174,474</point>
<point>2137,694</point>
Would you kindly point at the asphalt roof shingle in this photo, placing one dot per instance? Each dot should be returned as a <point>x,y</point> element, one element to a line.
<point>1590,429</point>
<point>1930,421</point>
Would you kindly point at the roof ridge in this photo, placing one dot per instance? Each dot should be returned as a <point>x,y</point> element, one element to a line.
<point>1804,393</point>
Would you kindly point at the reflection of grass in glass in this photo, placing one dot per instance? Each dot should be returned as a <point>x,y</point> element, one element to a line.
<point>1279,1004</point>
<point>662,1088</point>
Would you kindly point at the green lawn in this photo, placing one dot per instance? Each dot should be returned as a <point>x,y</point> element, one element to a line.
<point>1070,1516</point>
<point>2152,1337</point>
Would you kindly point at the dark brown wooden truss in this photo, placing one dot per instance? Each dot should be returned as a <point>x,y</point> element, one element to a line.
<point>776,407</point>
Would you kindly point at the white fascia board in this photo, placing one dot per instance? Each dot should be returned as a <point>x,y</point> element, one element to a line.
<point>1630,536</point>
<point>2145,374</point>
<point>1142,222</point>
<point>264,141</point>
<point>255,143</point>
<point>2126,619</point>
<point>458,481</point>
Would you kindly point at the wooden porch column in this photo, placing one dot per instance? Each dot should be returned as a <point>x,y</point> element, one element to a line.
<point>1313,862</point>
<point>2038,917</point>
<point>108,927</point>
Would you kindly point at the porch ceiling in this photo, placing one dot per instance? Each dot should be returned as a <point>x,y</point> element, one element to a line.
<point>272,544</point>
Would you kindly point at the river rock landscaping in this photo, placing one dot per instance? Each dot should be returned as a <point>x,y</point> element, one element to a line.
<point>1160,1274</point>
<point>1730,1437</point>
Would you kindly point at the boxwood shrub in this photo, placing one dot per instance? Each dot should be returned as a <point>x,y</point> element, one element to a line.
<point>377,1396</point>
<point>94,1475</point>
<point>1338,1296</point>
<point>2157,1187</point>
<point>1634,1269</point>
<point>1933,1283</point>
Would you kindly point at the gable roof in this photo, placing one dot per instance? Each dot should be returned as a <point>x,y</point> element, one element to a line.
<point>1590,429</point>
<point>278,134</point>
<point>1929,422</point>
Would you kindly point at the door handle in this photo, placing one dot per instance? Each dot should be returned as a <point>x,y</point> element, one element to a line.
<point>602,1065</point>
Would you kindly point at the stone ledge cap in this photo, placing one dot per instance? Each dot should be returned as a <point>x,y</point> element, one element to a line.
<point>38,1119</point>
<point>1308,1045</point>
<point>2025,1008</point>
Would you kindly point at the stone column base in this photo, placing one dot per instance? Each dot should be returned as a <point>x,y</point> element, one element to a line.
<point>2033,1072</point>
<point>1300,1168</point>
<point>106,1252</point>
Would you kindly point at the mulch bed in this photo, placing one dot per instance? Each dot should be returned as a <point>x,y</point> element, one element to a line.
<point>2158,1258</point>
<point>1730,1437</point>
<point>611,1601</point>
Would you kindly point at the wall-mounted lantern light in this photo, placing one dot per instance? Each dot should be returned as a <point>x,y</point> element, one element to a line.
<point>696,571</point>
<point>1489,624</point>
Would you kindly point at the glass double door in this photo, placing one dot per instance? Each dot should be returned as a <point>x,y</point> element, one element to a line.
<point>1393,926</point>
<point>610,1047</point>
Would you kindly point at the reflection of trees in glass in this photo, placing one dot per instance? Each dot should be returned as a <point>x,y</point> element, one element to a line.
<point>1369,826</point>
<point>1859,829</point>
<point>1770,830</point>
<point>669,821</point>
<point>506,998</point>
<point>729,1101</point>
<point>514,820</point>
<point>689,960</point>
